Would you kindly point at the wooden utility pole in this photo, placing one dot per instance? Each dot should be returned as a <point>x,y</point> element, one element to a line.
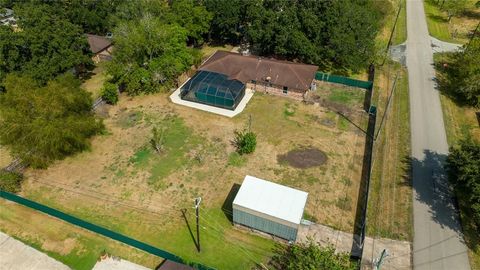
<point>391,33</point>
<point>197,206</point>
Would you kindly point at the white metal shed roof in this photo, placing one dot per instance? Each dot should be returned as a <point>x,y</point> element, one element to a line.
<point>271,199</point>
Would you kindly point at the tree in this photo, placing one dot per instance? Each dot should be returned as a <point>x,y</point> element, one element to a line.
<point>149,55</point>
<point>191,16</point>
<point>46,46</point>
<point>336,35</point>
<point>462,75</point>
<point>463,167</point>
<point>43,123</point>
<point>310,256</point>
<point>227,20</point>
<point>454,7</point>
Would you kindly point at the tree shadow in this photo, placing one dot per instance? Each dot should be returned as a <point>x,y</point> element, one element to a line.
<point>359,228</point>
<point>471,14</point>
<point>351,122</point>
<point>227,207</point>
<point>432,188</point>
<point>438,18</point>
<point>184,211</point>
<point>477,114</point>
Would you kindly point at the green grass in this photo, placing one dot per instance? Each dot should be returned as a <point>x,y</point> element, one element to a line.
<point>236,160</point>
<point>208,50</point>
<point>400,34</point>
<point>141,157</point>
<point>95,82</point>
<point>437,22</point>
<point>179,139</point>
<point>347,97</point>
<point>343,124</point>
<point>289,109</point>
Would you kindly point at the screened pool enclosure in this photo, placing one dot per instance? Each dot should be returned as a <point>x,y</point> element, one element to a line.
<point>214,89</point>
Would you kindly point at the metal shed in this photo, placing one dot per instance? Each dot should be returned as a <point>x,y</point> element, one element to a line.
<point>269,207</point>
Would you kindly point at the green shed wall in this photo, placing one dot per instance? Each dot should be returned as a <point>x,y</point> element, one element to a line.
<point>264,225</point>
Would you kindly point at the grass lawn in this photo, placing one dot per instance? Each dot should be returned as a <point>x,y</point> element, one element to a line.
<point>207,50</point>
<point>96,79</point>
<point>400,34</point>
<point>462,122</point>
<point>73,246</point>
<point>5,157</point>
<point>390,203</point>
<point>457,29</point>
<point>124,185</point>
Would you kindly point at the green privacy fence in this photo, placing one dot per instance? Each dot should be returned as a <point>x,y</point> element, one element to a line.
<point>343,80</point>
<point>97,229</point>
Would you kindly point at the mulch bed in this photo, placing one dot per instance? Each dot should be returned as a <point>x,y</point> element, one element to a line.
<point>304,158</point>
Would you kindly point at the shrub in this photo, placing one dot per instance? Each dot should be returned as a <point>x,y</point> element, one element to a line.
<point>310,255</point>
<point>110,93</point>
<point>245,141</point>
<point>10,181</point>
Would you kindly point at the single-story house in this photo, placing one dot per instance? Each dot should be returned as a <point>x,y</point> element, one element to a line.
<point>269,207</point>
<point>221,80</point>
<point>101,47</point>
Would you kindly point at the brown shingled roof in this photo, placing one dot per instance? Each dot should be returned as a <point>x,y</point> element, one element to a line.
<point>247,68</point>
<point>98,43</point>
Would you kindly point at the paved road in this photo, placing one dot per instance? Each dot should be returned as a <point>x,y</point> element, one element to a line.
<point>437,242</point>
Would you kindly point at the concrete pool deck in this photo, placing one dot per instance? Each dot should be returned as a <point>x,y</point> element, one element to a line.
<point>175,98</point>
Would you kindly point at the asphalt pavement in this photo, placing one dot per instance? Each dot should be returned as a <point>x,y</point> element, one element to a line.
<point>438,242</point>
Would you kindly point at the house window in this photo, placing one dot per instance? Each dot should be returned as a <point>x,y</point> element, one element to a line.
<point>285,90</point>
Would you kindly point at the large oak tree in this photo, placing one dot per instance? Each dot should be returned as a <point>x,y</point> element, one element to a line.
<point>43,123</point>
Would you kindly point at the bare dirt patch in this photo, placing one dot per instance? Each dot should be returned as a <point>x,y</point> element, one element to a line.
<point>304,158</point>
<point>61,247</point>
